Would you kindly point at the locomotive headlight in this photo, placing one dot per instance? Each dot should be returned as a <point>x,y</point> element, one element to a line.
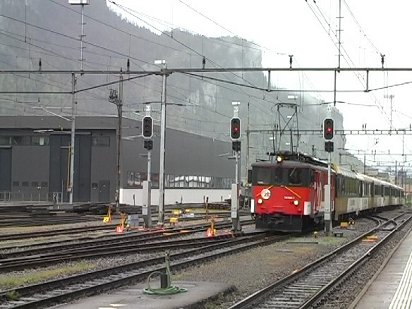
<point>296,202</point>
<point>265,194</point>
<point>260,201</point>
<point>279,159</point>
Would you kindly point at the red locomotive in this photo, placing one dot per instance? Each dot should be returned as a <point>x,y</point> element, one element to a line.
<point>289,195</point>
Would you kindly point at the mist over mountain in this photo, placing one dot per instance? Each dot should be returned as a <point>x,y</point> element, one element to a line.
<point>34,31</point>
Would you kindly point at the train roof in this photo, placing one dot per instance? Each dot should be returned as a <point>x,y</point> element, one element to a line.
<point>366,178</point>
<point>288,156</point>
<point>293,159</point>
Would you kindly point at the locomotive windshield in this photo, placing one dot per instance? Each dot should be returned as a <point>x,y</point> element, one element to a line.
<point>281,176</point>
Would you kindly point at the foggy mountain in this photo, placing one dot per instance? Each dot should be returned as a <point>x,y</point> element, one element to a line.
<point>34,31</point>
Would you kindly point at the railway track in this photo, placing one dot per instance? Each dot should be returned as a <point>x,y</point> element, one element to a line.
<point>74,230</point>
<point>63,290</point>
<point>96,249</point>
<point>308,285</point>
<point>47,246</point>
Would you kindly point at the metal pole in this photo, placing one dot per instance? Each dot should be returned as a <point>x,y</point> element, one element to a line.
<point>72,141</point>
<point>340,31</point>
<point>234,213</point>
<point>162,151</point>
<point>328,200</point>
<point>148,214</point>
<point>81,38</point>
<point>119,103</point>
<point>237,168</point>
<point>247,142</point>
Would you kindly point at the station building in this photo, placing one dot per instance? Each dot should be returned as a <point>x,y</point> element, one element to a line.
<point>35,162</point>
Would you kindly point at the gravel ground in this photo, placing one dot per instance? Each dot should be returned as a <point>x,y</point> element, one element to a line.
<point>255,269</point>
<point>345,294</point>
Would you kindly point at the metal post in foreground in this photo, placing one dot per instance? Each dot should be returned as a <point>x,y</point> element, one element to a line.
<point>234,209</point>
<point>328,200</point>
<point>72,141</point>
<point>116,97</point>
<point>162,147</point>
<point>235,133</point>
<point>147,189</point>
<point>147,185</point>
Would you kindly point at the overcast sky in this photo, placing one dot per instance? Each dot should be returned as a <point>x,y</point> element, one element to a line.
<point>308,31</point>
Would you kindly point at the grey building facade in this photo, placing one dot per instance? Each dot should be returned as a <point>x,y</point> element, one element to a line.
<point>34,159</point>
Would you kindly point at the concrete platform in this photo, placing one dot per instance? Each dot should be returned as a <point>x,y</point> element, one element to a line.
<point>134,298</point>
<point>392,287</point>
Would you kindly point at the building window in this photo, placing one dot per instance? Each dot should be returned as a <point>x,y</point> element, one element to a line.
<point>16,183</point>
<point>101,141</point>
<point>44,184</point>
<point>40,140</point>
<point>135,180</point>
<point>25,184</point>
<point>4,140</point>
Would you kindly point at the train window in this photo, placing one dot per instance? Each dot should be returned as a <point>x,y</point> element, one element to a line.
<point>378,190</point>
<point>294,176</point>
<point>261,176</point>
<point>281,176</point>
<point>360,186</point>
<point>298,176</point>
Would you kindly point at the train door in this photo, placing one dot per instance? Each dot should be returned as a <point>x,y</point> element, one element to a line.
<point>317,192</point>
<point>104,191</point>
<point>5,171</point>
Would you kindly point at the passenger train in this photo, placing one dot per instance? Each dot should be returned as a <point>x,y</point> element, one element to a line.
<point>289,194</point>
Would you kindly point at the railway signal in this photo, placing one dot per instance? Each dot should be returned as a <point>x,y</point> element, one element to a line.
<point>328,129</point>
<point>147,127</point>
<point>329,146</point>
<point>235,128</point>
<point>148,144</point>
<point>236,145</point>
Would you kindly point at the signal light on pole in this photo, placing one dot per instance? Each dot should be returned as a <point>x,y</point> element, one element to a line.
<point>328,129</point>
<point>147,127</point>
<point>235,128</point>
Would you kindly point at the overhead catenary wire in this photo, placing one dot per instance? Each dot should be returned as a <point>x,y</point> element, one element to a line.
<point>346,56</point>
<point>55,32</point>
<point>288,90</point>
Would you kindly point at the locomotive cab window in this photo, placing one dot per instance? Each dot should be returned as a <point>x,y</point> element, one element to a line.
<point>298,177</point>
<point>281,176</point>
<point>261,176</point>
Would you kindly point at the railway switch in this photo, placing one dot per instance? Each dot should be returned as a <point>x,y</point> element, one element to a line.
<point>166,287</point>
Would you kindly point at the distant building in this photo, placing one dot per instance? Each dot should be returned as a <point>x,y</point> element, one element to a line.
<point>34,162</point>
